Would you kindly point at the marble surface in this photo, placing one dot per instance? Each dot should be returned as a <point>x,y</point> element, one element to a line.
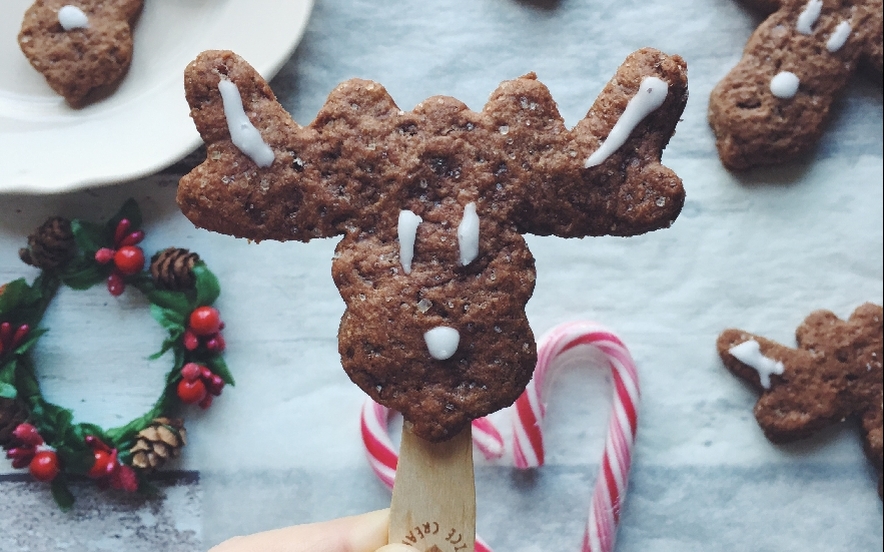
<point>758,251</point>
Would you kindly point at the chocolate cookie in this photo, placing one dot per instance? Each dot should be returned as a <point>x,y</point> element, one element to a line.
<point>835,374</point>
<point>774,104</point>
<point>83,48</point>
<point>431,205</point>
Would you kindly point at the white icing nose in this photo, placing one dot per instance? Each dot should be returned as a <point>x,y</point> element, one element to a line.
<point>442,342</point>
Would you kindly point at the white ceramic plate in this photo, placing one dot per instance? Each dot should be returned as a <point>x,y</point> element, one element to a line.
<point>47,147</point>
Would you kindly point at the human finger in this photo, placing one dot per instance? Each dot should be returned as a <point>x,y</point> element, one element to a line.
<point>361,533</point>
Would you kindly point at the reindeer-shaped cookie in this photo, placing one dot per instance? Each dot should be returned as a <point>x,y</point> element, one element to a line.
<point>774,104</point>
<point>82,47</point>
<point>834,374</point>
<point>431,205</point>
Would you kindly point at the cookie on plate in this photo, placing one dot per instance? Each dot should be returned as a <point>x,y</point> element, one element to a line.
<point>82,47</point>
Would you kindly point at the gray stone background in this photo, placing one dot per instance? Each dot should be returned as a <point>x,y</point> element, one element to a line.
<point>758,251</point>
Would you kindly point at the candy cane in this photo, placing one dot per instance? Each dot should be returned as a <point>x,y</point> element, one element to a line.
<point>382,455</point>
<point>529,410</point>
<point>610,488</point>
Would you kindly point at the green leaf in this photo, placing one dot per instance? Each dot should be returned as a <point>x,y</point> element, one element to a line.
<point>7,371</point>
<point>83,273</point>
<point>30,341</point>
<point>62,494</point>
<point>172,300</point>
<point>207,286</point>
<point>169,319</point>
<point>7,391</point>
<point>90,237</point>
<point>218,366</point>
<point>130,211</point>
<point>15,291</point>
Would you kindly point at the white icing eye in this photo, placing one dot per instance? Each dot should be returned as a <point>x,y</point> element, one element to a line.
<point>839,37</point>
<point>808,17</point>
<point>784,85</point>
<point>408,223</point>
<point>749,353</point>
<point>468,235</point>
<point>651,94</point>
<point>442,342</point>
<point>242,132</point>
<point>72,17</point>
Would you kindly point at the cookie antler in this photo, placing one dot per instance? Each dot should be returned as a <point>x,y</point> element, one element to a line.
<point>834,374</point>
<point>81,48</point>
<point>773,104</point>
<point>431,205</point>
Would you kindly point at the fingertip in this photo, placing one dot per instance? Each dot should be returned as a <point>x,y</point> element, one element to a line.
<point>396,547</point>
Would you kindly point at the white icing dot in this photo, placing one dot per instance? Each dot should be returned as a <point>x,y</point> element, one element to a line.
<point>784,85</point>
<point>72,17</point>
<point>749,353</point>
<point>408,223</point>
<point>839,37</point>
<point>808,17</point>
<point>468,234</point>
<point>242,132</point>
<point>651,94</point>
<point>442,342</point>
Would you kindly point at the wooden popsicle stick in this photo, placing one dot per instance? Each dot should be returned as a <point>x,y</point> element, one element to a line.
<point>434,496</point>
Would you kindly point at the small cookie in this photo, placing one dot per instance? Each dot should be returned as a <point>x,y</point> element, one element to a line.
<point>773,105</point>
<point>431,205</point>
<point>834,374</point>
<point>82,47</point>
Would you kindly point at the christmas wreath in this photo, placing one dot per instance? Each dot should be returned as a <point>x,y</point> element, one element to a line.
<point>42,436</point>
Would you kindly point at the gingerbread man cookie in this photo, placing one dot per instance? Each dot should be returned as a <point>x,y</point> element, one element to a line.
<point>82,47</point>
<point>834,374</point>
<point>431,205</point>
<point>774,104</point>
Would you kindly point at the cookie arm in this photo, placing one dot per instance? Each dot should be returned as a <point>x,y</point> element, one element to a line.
<point>791,405</point>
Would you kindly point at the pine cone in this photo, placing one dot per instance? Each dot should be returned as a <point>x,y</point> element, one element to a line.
<point>50,246</point>
<point>12,413</point>
<point>158,442</point>
<point>172,269</point>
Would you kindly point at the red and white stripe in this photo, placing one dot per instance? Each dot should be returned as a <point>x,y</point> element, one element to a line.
<point>610,488</point>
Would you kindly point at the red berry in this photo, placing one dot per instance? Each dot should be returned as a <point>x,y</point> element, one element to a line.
<point>44,466</point>
<point>129,259</point>
<point>132,238</point>
<point>191,371</point>
<point>216,344</point>
<point>205,321</point>
<point>192,392</point>
<point>191,341</point>
<point>121,230</point>
<point>215,384</point>
<point>115,284</point>
<point>28,434</point>
<point>104,255</point>
<point>206,402</point>
<point>103,466</point>
<point>20,334</point>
